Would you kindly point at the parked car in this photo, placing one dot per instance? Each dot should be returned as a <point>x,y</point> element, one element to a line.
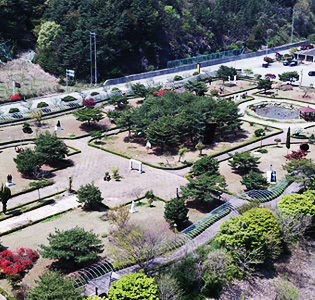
<point>286,63</point>
<point>311,73</point>
<point>265,65</point>
<point>293,63</point>
<point>306,46</point>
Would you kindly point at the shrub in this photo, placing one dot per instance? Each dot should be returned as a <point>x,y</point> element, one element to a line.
<point>214,92</point>
<point>89,195</point>
<point>16,97</point>
<point>196,73</point>
<point>286,87</point>
<point>89,103</point>
<point>13,110</point>
<point>133,286</point>
<point>259,132</point>
<point>295,204</point>
<point>178,77</point>
<point>262,150</point>
<point>94,93</point>
<point>256,230</point>
<point>13,263</point>
<point>42,104</point>
<point>27,128</point>
<point>248,206</point>
<point>68,99</point>
<point>115,89</point>
<point>270,76</point>
<point>269,60</point>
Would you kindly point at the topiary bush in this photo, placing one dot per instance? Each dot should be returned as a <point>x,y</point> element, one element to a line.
<point>68,99</point>
<point>178,77</point>
<point>42,104</point>
<point>13,110</point>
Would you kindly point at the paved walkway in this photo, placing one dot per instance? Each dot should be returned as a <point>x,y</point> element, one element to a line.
<point>61,205</point>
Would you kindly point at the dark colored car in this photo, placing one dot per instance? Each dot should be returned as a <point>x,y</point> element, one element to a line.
<point>293,63</point>
<point>286,63</point>
<point>265,65</point>
<point>311,73</point>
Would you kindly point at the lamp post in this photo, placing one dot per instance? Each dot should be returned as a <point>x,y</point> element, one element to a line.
<point>93,34</point>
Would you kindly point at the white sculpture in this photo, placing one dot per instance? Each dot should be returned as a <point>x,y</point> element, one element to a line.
<point>133,207</point>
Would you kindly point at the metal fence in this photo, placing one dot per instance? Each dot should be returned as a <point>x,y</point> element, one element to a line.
<point>202,58</point>
<point>213,62</point>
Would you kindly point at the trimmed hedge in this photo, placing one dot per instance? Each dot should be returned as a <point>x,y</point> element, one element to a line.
<point>68,98</point>
<point>76,151</point>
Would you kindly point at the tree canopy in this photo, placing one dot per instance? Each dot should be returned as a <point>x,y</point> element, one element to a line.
<point>204,188</point>
<point>89,114</point>
<point>243,161</point>
<point>90,195</point>
<point>256,230</point>
<point>53,285</point>
<point>50,147</point>
<point>296,204</point>
<point>176,211</point>
<point>133,286</point>
<point>72,247</point>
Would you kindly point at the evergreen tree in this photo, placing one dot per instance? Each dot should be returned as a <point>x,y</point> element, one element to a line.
<point>73,247</point>
<point>5,194</point>
<point>53,285</point>
<point>50,147</point>
<point>176,211</point>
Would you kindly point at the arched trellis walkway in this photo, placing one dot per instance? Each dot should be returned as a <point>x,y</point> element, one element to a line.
<point>83,276</point>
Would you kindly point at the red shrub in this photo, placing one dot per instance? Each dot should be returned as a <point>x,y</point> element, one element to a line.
<point>160,92</point>
<point>89,103</point>
<point>16,97</point>
<point>270,76</point>
<point>296,154</point>
<point>12,263</point>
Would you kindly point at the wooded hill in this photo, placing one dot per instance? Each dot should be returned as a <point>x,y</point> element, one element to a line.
<point>140,35</point>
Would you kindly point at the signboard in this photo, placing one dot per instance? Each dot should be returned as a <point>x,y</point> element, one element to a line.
<point>70,73</point>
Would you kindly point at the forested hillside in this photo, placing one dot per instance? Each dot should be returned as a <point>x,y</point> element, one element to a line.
<point>140,35</point>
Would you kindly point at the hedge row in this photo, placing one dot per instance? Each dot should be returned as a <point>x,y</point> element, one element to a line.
<point>76,151</point>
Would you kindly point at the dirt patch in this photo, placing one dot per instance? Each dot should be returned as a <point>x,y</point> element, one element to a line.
<point>70,128</point>
<point>231,87</point>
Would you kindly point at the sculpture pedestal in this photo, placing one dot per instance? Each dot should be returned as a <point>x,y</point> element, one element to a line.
<point>9,184</point>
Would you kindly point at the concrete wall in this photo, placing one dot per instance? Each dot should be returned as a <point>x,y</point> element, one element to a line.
<point>203,64</point>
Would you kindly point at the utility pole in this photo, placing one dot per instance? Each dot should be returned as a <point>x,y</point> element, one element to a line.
<point>292,26</point>
<point>91,58</point>
<point>95,58</point>
<point>93,35</point>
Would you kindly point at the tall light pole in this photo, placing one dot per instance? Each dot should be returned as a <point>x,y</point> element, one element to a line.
<point>91,58</point>
<point>93,34</point>
<point>95,58</point>
<point>292,26</point>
